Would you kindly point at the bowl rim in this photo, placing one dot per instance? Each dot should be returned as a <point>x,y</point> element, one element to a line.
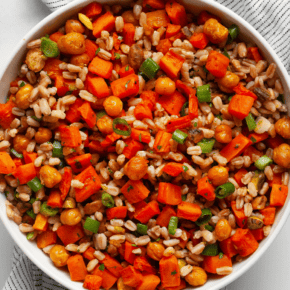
<point>222,282</point>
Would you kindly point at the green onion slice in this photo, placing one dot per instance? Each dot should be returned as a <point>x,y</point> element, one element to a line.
<point>35,184</point>
<point>203,94</point>
<point>47,210</point>
<point>182,111</point>
<point>206,145</point>
<point>172,226</point>
<point>224,190</point>
<point>101,114</point>
<point>184,197</point>
<point>29,236</point>
<point>234,31</point>
<point>57,149</point>
<point>31,213</point>
<point>119,121</point>
<point>251,123</point>
<point>225,53</point>
<point>149,68</point>
<point>48,47</point>
<point>142,229</point>
<point>205,217</point>
<point>263,161</point>
<point>16,154</point>
<point>91,225</point>
<point>210,250</point>
<point>209,228</point>
<point>107,200</point>
<point>179,136</point>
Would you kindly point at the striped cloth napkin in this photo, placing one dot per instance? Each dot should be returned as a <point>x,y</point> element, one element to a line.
<point>269,17</point>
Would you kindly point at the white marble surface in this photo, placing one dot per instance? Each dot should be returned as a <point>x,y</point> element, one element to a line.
<point>272,271</point>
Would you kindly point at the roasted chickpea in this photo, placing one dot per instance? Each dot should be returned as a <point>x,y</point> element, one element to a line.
<point>223,134</point>
<point>165,86</point>
<point>128,17</point>
<point>22,97</point>
<point>222,230</point>
<point>197,277</point>
<point>113,106</point>
<point>122,286</point>
<point>20,143</point>
<point>59,255</point>
<point>281,155</point>
<point>282,127</point>
<point>71,216</point>
<point>215,31</point>
<point>218,175</point>
<point>136,168</point>
<point>73,25</point>
<point>80,59</point>
<point>105,125</point>
<point>228,82</point>
<point>72,43</point>
<point>155,251</point>
<point>49,176</point>
<point>43,135</point>
<point>35,59</point>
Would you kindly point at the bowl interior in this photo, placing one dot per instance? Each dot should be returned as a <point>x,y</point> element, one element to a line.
<point>56,20</point>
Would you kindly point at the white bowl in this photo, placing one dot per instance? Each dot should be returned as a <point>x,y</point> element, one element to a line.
<point>52,23</point>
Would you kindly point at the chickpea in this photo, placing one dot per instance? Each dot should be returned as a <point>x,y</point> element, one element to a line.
<point>223,134</point>
<point>72,43</point>
<point>22,97</point>
<point>228,82</point>
<point>215,31</point>
<point>49,176</point>
<point>59,255</point>
<point>128,17</point>
<point>80,59</point>
<point>35,59</point>
<point>281,155</point>
<point>71,216</point>
<point>20,143</point>
<point>197,277</point>
<point>105,125</point>
<point>136,168</point>
<point>73,25</point>
<point>113,106</point>
<point>222,230</point>
<point>43,135</point>
<point>282,127</point>
<point>122,286</point>
<point>165,86</point>
<point>155,251</point>
<point>218,175</point>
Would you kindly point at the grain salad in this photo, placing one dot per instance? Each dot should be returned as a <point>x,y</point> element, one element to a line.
<point>143,147</point>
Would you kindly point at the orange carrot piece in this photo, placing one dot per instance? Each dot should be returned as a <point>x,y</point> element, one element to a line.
<point>29,157</point>
<point>110,139</point>
<point>41,222</point>
<point>88,114</point>
<point>91,48</point>
<point>165,215</point>
<point>241,90</point>
<point>192,106</point>
<point>244,242</point>
<point>172,103</point>
<point>92,184</point>
<point>119,212</point>
<point>125,71</point>
<point>70,234</point>
<point>45,239</point>
<point>149,282</point>
<point>189,211</point>
<point>173,168</point>
<point>101,67</point>
<point>255,137</point>
<point>239,214</point>
<point>169,271</point>
<point>172,29</point>
<point>277,179</point>
<point>184,88</point>
<point>253,53</point>
<point>6,116</point>
<point>211,263</point>
<point>125,87</point>
<point>235,147</point>
<point>139,135</point>
<point>131,276</point>
<point>143,111</point>
<point>25,173</point>
<point>64,185</point>
<point>108,278</point>
<point>205,189</point>
<point>54,199</point>
<point>97,86</point>
<point>128,34</point>
<point>156,4</point>
<point>17,162</point>
<point>96,147</point>
<point>128,255</point>
<point>55,36</point>
<point>180,123</point>
<point>157,19</point>
<point>70,136</point>
<point>171,63</point>
<point>240,106</point>
<point>269,215</point>
<point>278,195</point>
<point>204,16</point>
<point>7,165</point>
<point>181,286</point>
<point>252,150</point>
<point>239,175</point>
<point>143,265</point>
<point>228,248</point>
<point>176,13</point>
<point>92,10</point>
<point>77,268</point>
<point>164,45</point>
<point>79,163</point>
<point>274,142</point>
<point>217,64</point>
<point>132,148</point>
<point>89,253</point>
<point>104,22</point>
<point>169,193</point>
<point>258,234</point>
<point>63,85</point>
<point>135,191</point>
<point>149,211</point>
<point>161,143</point>
<point>199,40</point>
<point>73,115</point>
<point>92,282</point>
<point>112,265</point>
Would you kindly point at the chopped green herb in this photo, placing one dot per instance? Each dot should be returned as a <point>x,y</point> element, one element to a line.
<point>134,245</point>
<point>182,111</point>
<point>102,267</point>
<point>219,117</point>
<point>205,69</point>
<point>16,154</point>
<point>234,31</point>
<point>157,240</point>
<point>91,225</point>
<point>253,139</point>
<point>221,255</point>
<point>173,273</point>
<point>127,68</point>
<point>159,147</point>
<point>185,168</point>
<point>195,124</point>
<point>31,213</point>
<point>183,197</point>
<point>37,119</point>
<point>120,37</point>
<point>110,170</point>
<point>126,85</point>
<point>225,53</point>
<point>130,187</point>
<point>97,51</point>
<point>209,228</point>
<point>117,55</point>
<point>22,84</point>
